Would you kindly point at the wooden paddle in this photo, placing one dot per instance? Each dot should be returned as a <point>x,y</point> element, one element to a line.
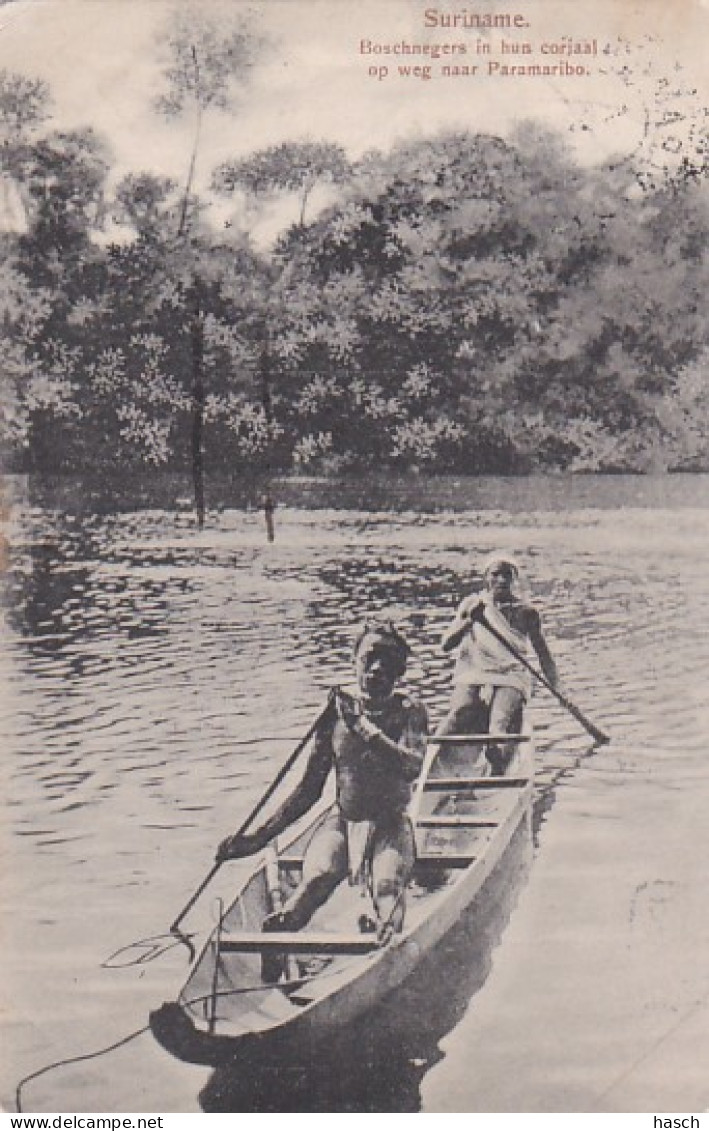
<point>598,735</point>
<point>287,765</point>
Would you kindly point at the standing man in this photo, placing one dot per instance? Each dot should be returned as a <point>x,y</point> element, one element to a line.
<point>375,739</point>
<point>490,685</point>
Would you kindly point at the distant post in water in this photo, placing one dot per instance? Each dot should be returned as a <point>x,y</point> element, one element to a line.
<point>197,340</point>
<point>265,377</point>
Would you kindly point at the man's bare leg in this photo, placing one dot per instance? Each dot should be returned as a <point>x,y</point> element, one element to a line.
<point>393,857</point>
<point>506,713</point>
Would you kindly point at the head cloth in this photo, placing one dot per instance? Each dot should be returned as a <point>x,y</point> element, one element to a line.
<point>499,559</point>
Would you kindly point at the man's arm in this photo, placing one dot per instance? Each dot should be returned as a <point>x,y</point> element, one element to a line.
<point>410,750</point>
<point>461,623</point>
<point>541,647</point>
<point>414,740</point>
<point>303,797</point>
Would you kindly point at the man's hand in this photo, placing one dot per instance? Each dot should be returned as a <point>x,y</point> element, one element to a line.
<point>475,613</point>
<point>237,847</point>
<point>346,703</point>
<point>350,711</point>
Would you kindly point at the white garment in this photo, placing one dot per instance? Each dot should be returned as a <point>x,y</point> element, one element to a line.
<point>359,850</point>
<point>483,661</point>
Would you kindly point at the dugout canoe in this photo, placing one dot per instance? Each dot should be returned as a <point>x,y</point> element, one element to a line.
<point>464,819</point>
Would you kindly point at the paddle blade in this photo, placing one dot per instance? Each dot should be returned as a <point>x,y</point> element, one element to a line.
<point>598,736</point>
<point>141,951</point>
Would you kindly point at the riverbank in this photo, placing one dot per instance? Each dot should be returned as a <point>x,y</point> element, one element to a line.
<point>371,492</point>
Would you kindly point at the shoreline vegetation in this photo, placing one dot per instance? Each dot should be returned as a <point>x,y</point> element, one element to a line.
<point>462,305</point>
<point>369,492</point>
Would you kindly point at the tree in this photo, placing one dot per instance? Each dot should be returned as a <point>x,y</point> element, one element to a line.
<point>24,389</point>
<point>24,104</point>
<point>207,64</point>
<point>486,305</point>
<point>64,178</point>
<point>24,108</point>
<point>143,201</point>
<point>59,177</point>
<point>292,167</point>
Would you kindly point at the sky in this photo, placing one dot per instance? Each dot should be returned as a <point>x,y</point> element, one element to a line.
<point>101,59</point>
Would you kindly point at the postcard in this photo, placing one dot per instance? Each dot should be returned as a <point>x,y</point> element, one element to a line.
<point>355,512</point>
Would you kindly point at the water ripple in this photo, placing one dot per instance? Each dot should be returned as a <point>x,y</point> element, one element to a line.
<point>150,671</point>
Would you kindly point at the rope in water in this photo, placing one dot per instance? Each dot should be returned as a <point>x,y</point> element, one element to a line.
<point>296,983</point>
<point>73,1060</point>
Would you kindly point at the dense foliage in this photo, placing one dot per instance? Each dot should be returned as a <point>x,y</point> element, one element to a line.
<point>463,303</point>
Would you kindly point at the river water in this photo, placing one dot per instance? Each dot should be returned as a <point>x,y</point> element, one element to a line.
<point>156,676</point>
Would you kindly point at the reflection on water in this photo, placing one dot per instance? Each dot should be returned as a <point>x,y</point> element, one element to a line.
<point>141,658</point>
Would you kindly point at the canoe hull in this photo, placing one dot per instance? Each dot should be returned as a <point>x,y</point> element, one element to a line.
<point>349,988</point>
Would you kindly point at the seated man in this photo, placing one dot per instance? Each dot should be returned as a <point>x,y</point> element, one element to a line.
<point>376,740</point>
<point>490,685</point>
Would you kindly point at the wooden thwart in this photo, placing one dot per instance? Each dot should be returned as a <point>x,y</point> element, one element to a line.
<point>476,739</point>
<point>296,942</point>
<point>453,785</point>
<point>463,828</point>
<point>288,863</point>
<point>456,821</point>
<point>444,860</point>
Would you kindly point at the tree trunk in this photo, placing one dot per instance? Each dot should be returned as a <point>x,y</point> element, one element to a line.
<point>197,339</point>
<point>268,504</point>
